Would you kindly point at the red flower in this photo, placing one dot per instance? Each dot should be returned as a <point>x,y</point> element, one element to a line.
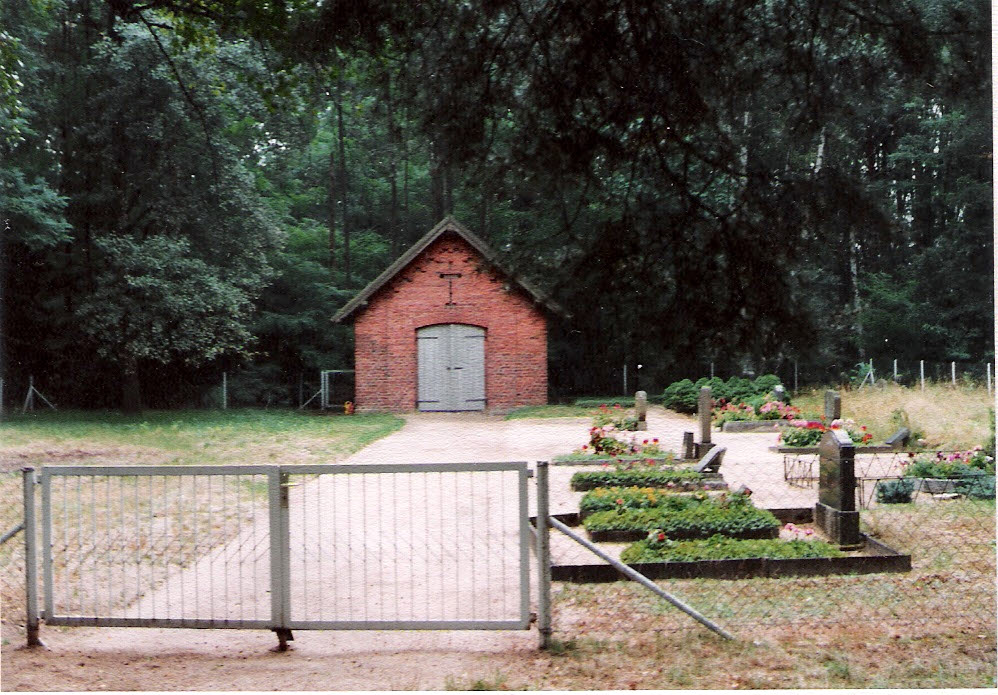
<point>661,536</point>
<point>620,500</point>
<point>645,441</point>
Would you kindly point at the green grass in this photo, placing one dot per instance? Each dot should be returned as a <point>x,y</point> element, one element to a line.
<point>192,436</point>
<point>549,411</point>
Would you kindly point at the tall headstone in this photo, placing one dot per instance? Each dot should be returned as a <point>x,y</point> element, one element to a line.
<point>703,413</point>
<point>835,512</point>
<point>641,409</point>
<point>833,405</point>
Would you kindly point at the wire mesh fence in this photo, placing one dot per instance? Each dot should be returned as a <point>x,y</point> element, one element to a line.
<point>12,586</point>
<point>948,532</point>
<point>424,546</point>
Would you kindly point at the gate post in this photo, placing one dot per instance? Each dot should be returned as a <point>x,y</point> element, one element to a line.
<point>543,557</point>
<point>30,558</point>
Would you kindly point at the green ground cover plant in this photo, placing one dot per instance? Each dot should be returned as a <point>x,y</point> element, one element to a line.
<point>958,464</point>
<point>733,516</point>
<point>895,491</point>
<point>658,548</point>
<point>611,498</point>
<point>678,478</point>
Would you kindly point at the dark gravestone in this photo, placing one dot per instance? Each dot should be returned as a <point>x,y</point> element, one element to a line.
<point>833,405</point>
<point>688,452</point>
<point>711,463</point>
<point>836,511</point>
<point>641,409</point>
<point>899,438</point>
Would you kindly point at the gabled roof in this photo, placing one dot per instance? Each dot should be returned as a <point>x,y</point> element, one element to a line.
<point>446,225</point>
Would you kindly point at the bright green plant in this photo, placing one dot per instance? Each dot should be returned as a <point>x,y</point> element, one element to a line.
<point>732,515</point>
<point>612,498</point>
<point>649,476</point>
<point>659,548</point>
<point>895,491</point>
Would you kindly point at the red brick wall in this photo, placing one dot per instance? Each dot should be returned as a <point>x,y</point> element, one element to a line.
<point>385,330</point>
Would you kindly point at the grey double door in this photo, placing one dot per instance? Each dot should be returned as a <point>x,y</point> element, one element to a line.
<point>451,367</point>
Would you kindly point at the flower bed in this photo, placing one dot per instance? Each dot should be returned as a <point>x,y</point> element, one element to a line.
<point>604,499</point>
<point>584,457</point>
<point>807,433</point>
<point>675,478</point>
<point>733,516</point>
<point>656,548</point>
<point>762,411</point>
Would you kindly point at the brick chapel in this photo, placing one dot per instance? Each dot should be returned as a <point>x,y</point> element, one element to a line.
<point>445,328</point>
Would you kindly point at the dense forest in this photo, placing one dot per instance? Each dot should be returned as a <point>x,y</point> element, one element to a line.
<point>191,187</point>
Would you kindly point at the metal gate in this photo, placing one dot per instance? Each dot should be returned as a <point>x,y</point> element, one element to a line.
<point>451,367</point>
<point>352,547</point>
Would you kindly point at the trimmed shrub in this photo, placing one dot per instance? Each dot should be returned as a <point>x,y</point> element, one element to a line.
<point>720,547</point>
<point>895,491</point>
<point>735,517</point>
<point>680,478</point>
<point>681,396</point>
<point>611,498</point>
<point>976,487</point>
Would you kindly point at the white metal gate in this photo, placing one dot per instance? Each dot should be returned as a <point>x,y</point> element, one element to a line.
<point>451,367</point>
<point>352,547</point>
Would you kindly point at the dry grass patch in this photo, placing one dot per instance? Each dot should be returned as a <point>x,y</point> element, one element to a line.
<point>949,418</point>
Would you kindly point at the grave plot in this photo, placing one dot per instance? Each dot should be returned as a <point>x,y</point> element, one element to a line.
<point>682,522</point>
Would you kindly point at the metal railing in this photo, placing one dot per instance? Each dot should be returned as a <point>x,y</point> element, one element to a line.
<point>419,546</point>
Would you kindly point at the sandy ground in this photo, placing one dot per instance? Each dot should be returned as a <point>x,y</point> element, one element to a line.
<point>168,659</point>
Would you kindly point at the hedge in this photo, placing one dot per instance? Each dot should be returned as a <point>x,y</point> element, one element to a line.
<point>720,547</point>
<point>684,478</point>
<point>737,520</point>
<point>682,396</point>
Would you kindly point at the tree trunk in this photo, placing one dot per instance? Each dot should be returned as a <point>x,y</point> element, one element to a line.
<point>395,234</point>
<point>437,203</point>
<point>344,189</point>
<point>131,388</point>
<point>332,210</point>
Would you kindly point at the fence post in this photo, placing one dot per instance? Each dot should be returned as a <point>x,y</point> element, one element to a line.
<point>30,558</point>
<point>543,557</point>
<point>225,390</point>
<point>795,376</point>
<point>625,378</point>
<point>989,379</point>
<point>711,370</point>
<point>952,369</point>
<point>895,370</point>
<point>921,372</point>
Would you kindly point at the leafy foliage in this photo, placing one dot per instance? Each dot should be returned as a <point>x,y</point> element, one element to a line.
<point>677,478</point>
<point>613,498</point>
<point>719,547</point>
<point>734,517</point>
<point>895,491</point>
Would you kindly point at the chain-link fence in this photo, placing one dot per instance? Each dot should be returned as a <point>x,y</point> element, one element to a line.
<point>12,587</point>
<point>927,557</point>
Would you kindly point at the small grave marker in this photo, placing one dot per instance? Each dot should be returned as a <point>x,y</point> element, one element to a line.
<point>900,438</point>
<point>641,408</point>
<point>688,446</point>
<point>833,405</point>
<point>780,393</point>
<point>711,463</point>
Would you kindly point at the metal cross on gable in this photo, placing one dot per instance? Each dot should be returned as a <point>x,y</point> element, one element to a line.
<point>450,277</point>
